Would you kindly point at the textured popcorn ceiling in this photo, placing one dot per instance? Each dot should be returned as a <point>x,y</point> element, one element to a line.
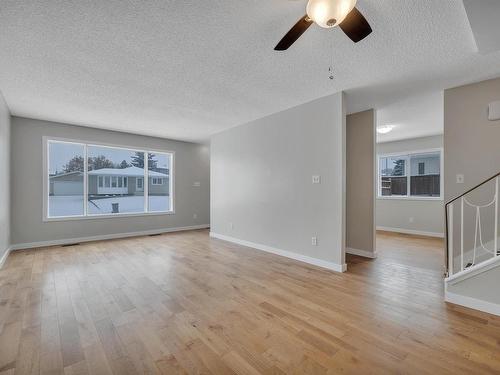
<point>188,69</point>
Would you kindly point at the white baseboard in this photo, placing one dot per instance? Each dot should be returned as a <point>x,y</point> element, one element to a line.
<point>411,231</point>
<point>472,303</point>
<point>361,253</point>
<point>4,257</point>
<point>284,253</point>
<point>67,241</point>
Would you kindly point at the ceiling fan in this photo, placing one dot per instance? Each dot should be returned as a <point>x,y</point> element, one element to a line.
<point>328,14</point>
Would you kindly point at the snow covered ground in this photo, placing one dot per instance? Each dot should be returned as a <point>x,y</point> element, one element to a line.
<point>73,205</point>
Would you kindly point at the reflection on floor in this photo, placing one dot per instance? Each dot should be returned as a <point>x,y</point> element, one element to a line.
<point>185,303</point>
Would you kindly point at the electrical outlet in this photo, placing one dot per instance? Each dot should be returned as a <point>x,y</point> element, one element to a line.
<point>316,179</point>
<point>314,241</point>
<point>411,219</point>
<point>195,216</point>
<point>460,178</point>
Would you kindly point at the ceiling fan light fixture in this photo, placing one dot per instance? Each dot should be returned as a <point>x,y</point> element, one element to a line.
<point>329,13</point>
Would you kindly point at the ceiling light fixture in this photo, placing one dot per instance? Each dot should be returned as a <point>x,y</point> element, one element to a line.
<point>385,129</point>
<point>329,13</point>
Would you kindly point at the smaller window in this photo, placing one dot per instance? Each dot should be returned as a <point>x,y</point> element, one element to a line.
<point>120,182</point>
<point>107,181</point>
<point>409,175</point>
<point>114,182</point>
<point>139,184</point>
<point>101,182</point>
<point>125,181</point>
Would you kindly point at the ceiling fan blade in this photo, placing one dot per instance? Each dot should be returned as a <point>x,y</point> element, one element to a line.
<point>355,26</point>
<point>295,32</point>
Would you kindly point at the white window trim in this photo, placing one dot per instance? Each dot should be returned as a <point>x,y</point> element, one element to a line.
<point>406,156</point>
<point>86,215</point>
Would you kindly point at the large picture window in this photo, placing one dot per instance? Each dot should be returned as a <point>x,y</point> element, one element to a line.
<point>88,180</point>
<point>410,175</point>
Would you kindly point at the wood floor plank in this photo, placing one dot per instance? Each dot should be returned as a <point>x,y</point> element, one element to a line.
<point>183,303</point>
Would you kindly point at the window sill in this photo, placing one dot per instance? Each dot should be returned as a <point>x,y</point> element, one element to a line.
<point>107,216</point>
<point>410,198</point>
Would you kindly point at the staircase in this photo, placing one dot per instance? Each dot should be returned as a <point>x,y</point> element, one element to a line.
<point>472,248</point>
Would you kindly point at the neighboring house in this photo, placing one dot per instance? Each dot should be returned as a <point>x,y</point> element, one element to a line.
<point>110,181</point>
<point>66,184</point>
<point>425,165</point>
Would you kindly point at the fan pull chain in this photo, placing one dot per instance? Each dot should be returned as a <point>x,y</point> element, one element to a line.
<point>330,72</point>
<point>330,69</point>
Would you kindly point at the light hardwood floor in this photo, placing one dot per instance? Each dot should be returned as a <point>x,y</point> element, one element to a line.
<point>184,303</point>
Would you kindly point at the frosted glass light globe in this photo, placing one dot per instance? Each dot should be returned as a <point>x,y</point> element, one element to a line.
<point>329,13</point>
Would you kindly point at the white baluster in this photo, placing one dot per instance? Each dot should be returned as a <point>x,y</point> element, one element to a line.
<point>450,239</point>
<point>495,241</point>
<point>462,235</point>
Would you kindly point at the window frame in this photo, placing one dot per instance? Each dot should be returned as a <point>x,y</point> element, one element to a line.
<point>86,216</point>
<point>407,157</point>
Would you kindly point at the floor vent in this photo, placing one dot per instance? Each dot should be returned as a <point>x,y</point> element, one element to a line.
<point>70,244</point>
<point>154,235</point>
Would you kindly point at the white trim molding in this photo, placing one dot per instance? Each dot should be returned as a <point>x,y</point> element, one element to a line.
<point>4,257</point>
<point>472,303</point>
<point>473,271</point>
<point>362,253</point>
<point>284,253</point>
<point>411,231</point>
<point>68,241</point>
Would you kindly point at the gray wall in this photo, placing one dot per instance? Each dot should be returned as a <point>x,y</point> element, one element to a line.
<point>471,142</point>
<point>4,176</point>
<point>261,180</point>
<point>191,165</point>
<point>360,175</point>
<point>428,215</point>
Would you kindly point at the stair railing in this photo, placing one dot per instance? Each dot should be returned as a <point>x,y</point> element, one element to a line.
<point>463,201</point>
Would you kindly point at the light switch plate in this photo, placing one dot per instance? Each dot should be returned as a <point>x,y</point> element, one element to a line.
<point>494,111</point>
<point>196,184</point>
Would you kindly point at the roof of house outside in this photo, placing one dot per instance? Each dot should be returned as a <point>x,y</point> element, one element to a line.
<point>65,174</point>
<point>129,172</point>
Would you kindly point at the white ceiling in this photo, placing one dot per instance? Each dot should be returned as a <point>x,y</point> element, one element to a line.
<point>417,116</point>
<point>188,69</point>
